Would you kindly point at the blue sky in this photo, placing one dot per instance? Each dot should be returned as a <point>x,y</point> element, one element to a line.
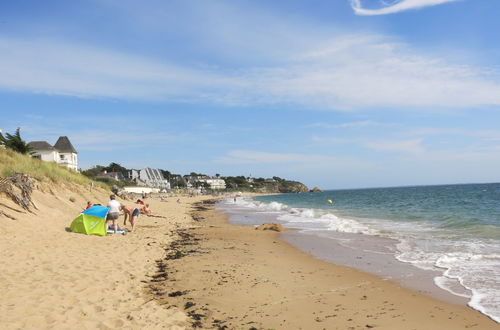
<point>336,94</point>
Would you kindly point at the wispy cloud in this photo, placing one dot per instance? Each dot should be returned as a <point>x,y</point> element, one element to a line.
<point>63,68</point>
<point>394,6</point>
<point>334,71</point>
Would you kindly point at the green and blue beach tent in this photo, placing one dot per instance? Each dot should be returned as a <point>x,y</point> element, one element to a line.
<point>92,221</point>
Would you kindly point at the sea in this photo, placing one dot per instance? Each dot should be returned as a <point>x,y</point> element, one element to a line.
<point>442,240</point>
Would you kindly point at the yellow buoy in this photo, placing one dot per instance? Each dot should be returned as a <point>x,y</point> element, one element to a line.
<point>329,201</point>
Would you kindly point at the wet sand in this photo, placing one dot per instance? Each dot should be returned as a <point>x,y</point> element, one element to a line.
<point>234,277</point>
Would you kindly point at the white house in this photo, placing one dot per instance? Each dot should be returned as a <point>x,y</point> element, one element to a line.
<point>62,152</point>
<point>149,177</point>
<point>215,183</point>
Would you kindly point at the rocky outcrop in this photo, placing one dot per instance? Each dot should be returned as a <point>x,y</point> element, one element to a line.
<point>292,187</point>
<point>315,189</point>
<point>270,226</point>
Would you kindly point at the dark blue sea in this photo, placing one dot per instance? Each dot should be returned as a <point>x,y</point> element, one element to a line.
<point>452,230</point>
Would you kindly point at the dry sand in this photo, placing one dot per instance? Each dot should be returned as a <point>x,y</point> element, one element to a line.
<point>54,279</point>
<point>183,269</point>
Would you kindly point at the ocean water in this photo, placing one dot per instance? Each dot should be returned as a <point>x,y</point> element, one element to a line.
<point>452,230</point>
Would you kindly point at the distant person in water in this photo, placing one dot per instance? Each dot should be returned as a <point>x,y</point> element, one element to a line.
<point>132,213</point>
<point>114,212</point>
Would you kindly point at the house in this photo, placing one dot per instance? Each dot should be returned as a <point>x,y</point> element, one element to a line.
<point>114,175</point>
<point>196,181</point>
<point>149,177</point>
<point>62,152</point>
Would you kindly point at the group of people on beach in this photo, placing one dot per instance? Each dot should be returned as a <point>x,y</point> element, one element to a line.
<point>131,213</point>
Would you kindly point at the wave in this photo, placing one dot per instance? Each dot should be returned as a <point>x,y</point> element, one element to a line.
<point>309,218</point>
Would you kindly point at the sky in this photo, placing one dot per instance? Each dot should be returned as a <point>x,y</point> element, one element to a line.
<point>335,94</point>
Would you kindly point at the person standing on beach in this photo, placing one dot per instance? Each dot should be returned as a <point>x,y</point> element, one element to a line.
<point>114,212</point>
<point>132,213</point>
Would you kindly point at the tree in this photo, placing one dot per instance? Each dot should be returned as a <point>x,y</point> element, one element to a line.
<point>15,142</point>
<point>278,179</point>
<point>92,172</point>
<point>115,167</point>
<point>166,174</point>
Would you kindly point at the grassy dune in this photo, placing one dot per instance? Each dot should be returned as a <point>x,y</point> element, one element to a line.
<point>12,162</point>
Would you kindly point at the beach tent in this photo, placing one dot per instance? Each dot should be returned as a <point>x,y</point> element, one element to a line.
<point>92,221</point>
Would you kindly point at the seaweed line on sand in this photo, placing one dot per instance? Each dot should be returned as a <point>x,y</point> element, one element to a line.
<point>161,286</point>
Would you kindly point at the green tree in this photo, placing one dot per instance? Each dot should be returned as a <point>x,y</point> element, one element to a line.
<point>92,172</point>
<point>115,167</point>
<point>166,174</point>
<point>15,142</point>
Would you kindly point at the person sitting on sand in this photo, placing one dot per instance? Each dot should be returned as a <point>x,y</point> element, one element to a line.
<point>146,209</point>
<point>132,213</point>
<point>139,202</point>
<point>114,212</point>
<point>89,205</point>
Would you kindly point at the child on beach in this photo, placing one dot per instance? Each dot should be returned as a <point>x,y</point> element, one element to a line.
<point>132,213</point>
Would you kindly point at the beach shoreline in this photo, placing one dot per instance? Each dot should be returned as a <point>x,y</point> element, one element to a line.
<point>226,275</point>
<point>187,267</point>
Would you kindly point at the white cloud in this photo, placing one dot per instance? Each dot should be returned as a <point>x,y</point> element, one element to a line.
<point>372,71</point>
<point>395,6</point>
<point>343,71</point>
<point>69,69</point>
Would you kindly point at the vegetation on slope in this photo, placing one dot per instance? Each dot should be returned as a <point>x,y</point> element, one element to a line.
<point>12,162</point>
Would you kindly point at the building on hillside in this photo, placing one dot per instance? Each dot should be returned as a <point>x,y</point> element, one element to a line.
<point>149,177</point>
<point>118,176</point>
<point>62,152</point>
<point>197,181</point>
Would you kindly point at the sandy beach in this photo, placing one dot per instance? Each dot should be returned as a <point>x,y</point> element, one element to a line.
<point>235,277</point>
<point>186,267</point>
<point>55,279</point>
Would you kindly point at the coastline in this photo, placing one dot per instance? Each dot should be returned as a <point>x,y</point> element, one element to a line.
<point>226,275</point>
<point>187,267</point>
